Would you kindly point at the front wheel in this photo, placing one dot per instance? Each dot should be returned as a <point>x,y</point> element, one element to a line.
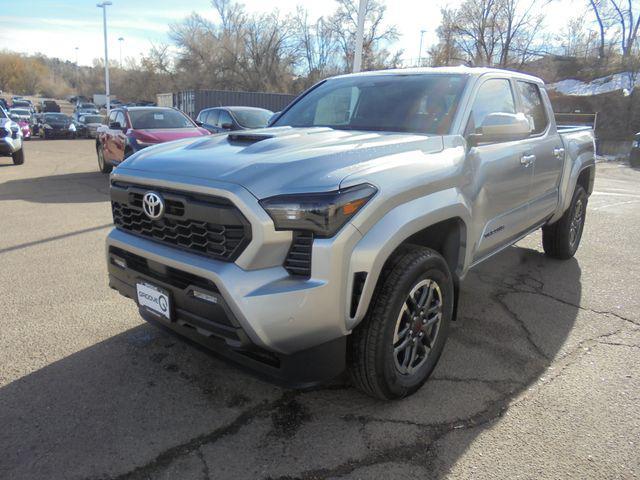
<point>18,157</point>
<point>398,344</point>
<point>561,239</point>
<point>102,165</point>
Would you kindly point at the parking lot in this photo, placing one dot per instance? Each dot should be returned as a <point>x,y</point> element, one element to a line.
<point>540,377</point>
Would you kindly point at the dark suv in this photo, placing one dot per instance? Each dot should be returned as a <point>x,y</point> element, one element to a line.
<point>223,119</point>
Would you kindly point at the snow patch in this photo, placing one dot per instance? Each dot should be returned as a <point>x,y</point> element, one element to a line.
<point>610,83</point>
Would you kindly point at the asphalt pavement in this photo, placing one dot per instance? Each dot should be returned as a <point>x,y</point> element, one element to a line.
<point>540,377</point>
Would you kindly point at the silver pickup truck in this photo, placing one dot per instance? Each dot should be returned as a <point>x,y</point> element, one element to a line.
<point>336,239</point>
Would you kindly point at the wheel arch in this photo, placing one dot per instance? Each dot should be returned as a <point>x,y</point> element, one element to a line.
<point>439,221</point>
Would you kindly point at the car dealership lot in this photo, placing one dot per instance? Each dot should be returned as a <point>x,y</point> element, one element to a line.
<point>539,378</point>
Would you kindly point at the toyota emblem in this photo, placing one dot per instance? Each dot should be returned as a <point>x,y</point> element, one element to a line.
<point>153,205</point>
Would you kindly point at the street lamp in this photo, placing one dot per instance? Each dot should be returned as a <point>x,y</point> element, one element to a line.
<point>120,40</point>
<point>422,32</point>
<point>104,6</point>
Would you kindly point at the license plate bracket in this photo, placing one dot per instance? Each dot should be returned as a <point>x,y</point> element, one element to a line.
<point>154,299</point>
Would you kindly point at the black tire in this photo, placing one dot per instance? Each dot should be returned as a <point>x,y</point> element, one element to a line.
<point>561,239</point>
<point>18,157</point>
<point>374,353</point>
<point>103,166</point>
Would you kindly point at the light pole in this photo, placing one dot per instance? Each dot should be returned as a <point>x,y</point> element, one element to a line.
<point>104,6</point>
<point>357,56</point>
<point>120,40</point>
<point>422,32</point>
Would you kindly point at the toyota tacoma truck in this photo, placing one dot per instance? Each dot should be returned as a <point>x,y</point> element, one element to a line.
<point>336,239</point>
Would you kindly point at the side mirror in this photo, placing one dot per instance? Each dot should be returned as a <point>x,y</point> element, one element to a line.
<point>115,126</point>
<point>198,123</point>
<point>227,126</point>
<point>501,127</point>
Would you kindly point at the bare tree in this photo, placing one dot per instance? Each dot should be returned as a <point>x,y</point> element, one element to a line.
<point>627,23</point>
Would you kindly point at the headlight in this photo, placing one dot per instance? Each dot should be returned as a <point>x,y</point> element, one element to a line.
<point>322,213</point>
<point>72,128</point>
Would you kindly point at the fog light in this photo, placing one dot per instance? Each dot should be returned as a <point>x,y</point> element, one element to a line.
<point>207,297</point>
<point>119,262</point>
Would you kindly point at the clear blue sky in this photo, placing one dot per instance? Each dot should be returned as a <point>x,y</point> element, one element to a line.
<point>56,27</point>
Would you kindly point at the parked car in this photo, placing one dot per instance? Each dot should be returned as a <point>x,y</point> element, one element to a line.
<point>338,237</point>
<point>48,106</point>
<point>86,107</point>
<point>56,125</point>
<point>634,156</point>
<point>24,119</point>
<point>21,114</point>
<point>10,139</point>
<point>21,104</point>
<point>131,129</point>
<point>221,119</point>
<point>87,125</point>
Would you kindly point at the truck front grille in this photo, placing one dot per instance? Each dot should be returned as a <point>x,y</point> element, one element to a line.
<point>210,226</point>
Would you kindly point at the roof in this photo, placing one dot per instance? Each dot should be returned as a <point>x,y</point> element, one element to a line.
<point>464,70</point>
<point>239,107</point>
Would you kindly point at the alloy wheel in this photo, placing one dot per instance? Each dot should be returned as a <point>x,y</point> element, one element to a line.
<point>417,326</point>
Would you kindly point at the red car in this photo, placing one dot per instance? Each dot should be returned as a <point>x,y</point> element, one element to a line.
<point>131,129</point>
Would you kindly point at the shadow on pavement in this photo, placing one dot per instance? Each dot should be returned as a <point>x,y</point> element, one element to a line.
<point>65,188</point>
<point>142,403</point>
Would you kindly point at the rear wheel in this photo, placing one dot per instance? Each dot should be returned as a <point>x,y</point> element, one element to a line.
<point>18,157</point>
<point>561,239</point>
<point>102,165</point>
<point>398,344</point>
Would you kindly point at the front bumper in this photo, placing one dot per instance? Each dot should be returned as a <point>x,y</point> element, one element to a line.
<point>213,325</point>
<point>10,145</point>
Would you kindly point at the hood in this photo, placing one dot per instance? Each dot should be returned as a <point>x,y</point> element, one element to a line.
<point>280,160</point>
<point>167,134</point>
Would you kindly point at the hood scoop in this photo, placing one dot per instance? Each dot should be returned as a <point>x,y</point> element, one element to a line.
<point>248,138</point>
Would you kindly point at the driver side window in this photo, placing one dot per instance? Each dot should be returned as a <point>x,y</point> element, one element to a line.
<point>494,96</point>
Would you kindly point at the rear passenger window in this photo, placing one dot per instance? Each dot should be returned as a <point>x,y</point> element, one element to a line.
<point>533,107</point>
<point>494,96</point>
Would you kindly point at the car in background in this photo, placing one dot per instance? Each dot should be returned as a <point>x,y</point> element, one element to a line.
<point>224,119</point>
<point>20,113</point>
<point>130,129</point>
<point>48,106</point>
<point>87,125</point>
<point>10,139</point>
<point>86,107</point>
<point>21,104</point>
<point>24,119</point>
<point>56,125</point>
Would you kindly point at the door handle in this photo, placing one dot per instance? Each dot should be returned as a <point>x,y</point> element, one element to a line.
<point>558,152</point>
<point>527,160</point>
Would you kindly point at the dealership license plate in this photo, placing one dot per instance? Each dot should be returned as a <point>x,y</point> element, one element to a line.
<point>154,299</point>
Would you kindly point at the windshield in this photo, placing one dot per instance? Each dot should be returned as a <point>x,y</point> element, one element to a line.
<point>55,117</point>
<point>21,104</point>
<point>416,103</point>
<point>92,119</point>
<point>2,114</point>
<point>252,118</point>
<point>157,118</point>
<point>87,105</point>
<point>21,112</point>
